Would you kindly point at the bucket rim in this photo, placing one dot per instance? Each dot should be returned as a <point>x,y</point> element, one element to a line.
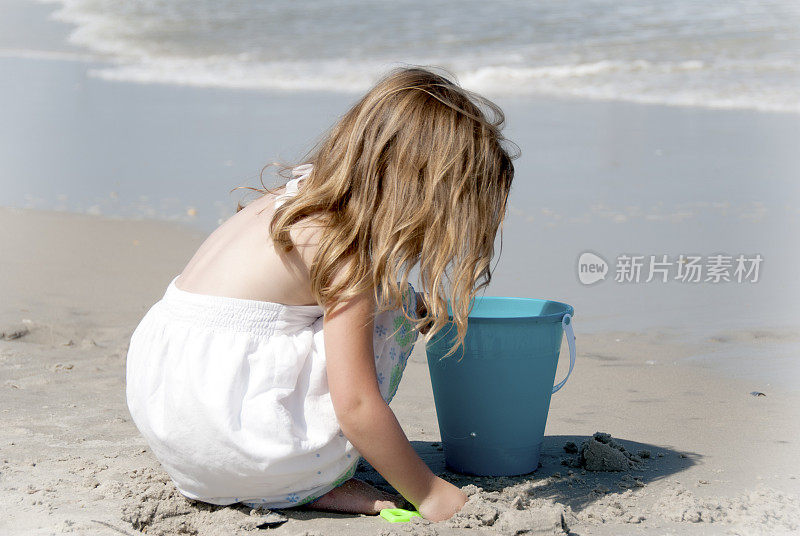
<point>550,317</point>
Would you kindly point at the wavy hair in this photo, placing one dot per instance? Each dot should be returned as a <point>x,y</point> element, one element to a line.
<point>414,174</point>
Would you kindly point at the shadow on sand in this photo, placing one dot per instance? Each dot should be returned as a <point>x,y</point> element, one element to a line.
<point>572,486</point>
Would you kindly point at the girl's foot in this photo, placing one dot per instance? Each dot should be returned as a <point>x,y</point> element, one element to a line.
<point>356,497</point>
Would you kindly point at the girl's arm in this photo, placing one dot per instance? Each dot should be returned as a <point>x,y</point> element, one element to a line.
<point>365,417</point>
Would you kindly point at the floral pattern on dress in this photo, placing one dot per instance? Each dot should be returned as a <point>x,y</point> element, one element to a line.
<point>399,343</point>
<point>404,331</point>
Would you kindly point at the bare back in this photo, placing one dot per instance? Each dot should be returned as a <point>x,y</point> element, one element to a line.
<point>238,260</point>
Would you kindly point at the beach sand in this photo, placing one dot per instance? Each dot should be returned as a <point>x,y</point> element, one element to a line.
<point>718,460</point>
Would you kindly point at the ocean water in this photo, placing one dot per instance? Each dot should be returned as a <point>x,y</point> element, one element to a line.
<point>716,53</point>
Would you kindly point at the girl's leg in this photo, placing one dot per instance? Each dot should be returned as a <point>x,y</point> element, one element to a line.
<point>356,497</point>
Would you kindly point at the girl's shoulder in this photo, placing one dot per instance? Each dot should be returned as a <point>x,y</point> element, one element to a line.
<point>306,237</point>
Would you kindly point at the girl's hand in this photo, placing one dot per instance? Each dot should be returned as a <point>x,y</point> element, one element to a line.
<point>443,501</point>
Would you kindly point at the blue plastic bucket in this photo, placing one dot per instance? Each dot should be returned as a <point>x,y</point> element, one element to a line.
<point>492,404</point>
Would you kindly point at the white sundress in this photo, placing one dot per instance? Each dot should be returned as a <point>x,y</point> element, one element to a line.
<point>232,394</point>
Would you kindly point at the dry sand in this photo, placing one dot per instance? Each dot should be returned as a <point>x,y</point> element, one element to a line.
<point>688,452</point>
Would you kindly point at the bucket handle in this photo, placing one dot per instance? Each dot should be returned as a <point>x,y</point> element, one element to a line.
<point>566,323</point>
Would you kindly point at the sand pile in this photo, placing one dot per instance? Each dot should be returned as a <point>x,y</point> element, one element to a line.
<point>153,505</point>
<point>513,511</point>
<point>602,453</point>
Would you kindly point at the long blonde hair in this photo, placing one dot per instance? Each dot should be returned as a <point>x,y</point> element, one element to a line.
<point>413,174</point>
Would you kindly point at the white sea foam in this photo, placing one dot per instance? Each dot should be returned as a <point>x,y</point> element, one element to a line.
<point>691,55</point>
<point>352,77</point>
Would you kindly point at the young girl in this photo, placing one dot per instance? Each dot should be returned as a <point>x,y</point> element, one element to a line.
<point>265,371</point>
